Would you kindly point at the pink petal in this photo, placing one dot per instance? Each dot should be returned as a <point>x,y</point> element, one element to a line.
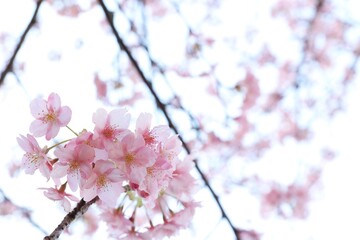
<point>89,193</point>
<point>145,157</point>
<point>66,204</point>
<point>90,182</point>
<point>120,118</point>
<point>73,179</point>
<point>101,154</point>
<point>38,128</point>
<point>143,122</point>
<point>115,175</point>
<point>64,116</point>
<point>29,165</point>
<point>52,194</point>
<point>45,170</point>
<point>161,132</point>
<point>110,196</point>
<point>52,131</point>
<point>99,118</point>
<point>73,198</point>
<point>24,143</point>
<point>86,153</point>
<point>54,102</point>
<point>64,154</point>
<point>102,166</point>
<point>38,107</point>
<point>59,170</point>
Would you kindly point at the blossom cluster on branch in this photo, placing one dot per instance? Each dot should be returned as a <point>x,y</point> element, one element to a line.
<point>145,190</point>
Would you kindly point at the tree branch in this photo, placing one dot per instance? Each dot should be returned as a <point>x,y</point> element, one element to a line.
<point>26,213</point>
<point>162,107</point>
<point>9,66</point>
<point>78,211</point>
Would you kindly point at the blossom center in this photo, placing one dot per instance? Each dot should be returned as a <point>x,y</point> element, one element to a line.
<point>108,132</point>
<point>129,158</point>
<point>101,181</point>
<point>150,170</point>
<point>149,139</point>
<point>33,157</point>
<point>50,117</point>
<point>74,165</point>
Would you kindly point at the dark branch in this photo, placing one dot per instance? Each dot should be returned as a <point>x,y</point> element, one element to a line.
<point>162,107</point>
<point>9,66</point>
<point>78,211</point>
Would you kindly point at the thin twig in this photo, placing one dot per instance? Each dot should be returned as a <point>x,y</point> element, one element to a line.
<point>78,211</point>
<point>162,107</point>
<point>9,66</point>
<point>26,213</point>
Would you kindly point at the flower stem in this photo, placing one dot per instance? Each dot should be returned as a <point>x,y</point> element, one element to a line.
<point>72,130</point>
<point>47,150</point>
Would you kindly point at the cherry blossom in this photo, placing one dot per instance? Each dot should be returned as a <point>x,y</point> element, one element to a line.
<point>182,183</point>
<point>105,181</point>
<point>61,196</point>
<point>35,157</point>
<point>50,116</point>
<point>109,127</point>
<point>154,135</point>
<point>73,163</point>
<point>133,157</point>
<point>131,172</point>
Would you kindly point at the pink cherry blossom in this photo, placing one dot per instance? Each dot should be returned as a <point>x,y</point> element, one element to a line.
<point>151,136</point>
<point>101,88</point>
<point>169,148</point>
<point>174,222</point>
<point>61,196</point>
<point>138,170</point>
<point>119,226</point>
<point>105,181</point>
<point>35,157</point>
<point>156,179</point>
<point>110,127</point>
<point>75,163</point>
<point>182,184</point>
<point>50,116</point>
<point>133,157</point>
<point>87,138</point>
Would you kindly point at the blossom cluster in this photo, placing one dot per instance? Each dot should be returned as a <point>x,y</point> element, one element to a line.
<point>145,190</point>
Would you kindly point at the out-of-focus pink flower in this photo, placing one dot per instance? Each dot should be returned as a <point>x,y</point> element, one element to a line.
<point>101,88</point>
<point>110,127</point>
<point>7,208</point>
<point>50,116</point>
<point>174,222</point>
<point>35,157</point>
<point>248,234</point>
<point>250,83</point>
<point>75,163</point>
<point>117,223</point>
<point>91,221</point>
<point>105,181</point>
<point>61,196</point>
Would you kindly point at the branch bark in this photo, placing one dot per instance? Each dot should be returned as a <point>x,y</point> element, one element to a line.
<point>78,211</point>
<point>9,66</point>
